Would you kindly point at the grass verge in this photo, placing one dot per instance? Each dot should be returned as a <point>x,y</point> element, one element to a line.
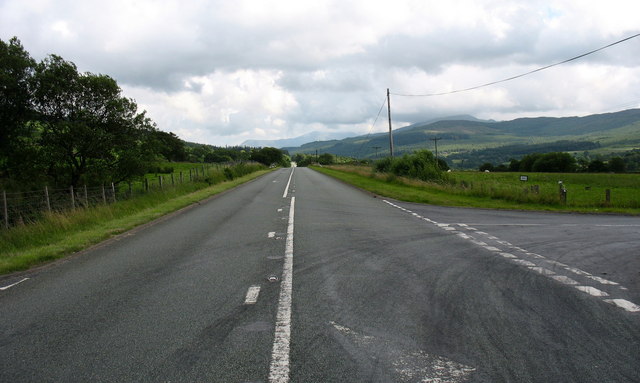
<point>60,234</point>
<point>410,190</point>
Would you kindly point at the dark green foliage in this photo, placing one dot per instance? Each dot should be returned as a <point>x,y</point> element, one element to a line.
<point>616,165</point>
<point>420,165</point>
<point>486,166</point>
<point>326,159</point>
<point>270,156</point>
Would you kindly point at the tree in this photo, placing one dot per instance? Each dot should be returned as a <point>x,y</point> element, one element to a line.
<point>16,70</point>
<point>169,146</point>
<point>89,131</point>
<point>326,159</point>
<point>268,156</point>
<point>597,166</point>
<point>616,165</point>
<point>556,162</point>
<point>486,166</point>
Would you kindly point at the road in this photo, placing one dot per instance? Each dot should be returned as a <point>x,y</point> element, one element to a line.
<point>296,277</point>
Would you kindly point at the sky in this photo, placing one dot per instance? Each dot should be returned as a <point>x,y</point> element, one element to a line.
<point>222,72</point>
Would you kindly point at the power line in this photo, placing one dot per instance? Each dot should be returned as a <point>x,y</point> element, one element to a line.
<point>520,75</point>
<point>373,125</point>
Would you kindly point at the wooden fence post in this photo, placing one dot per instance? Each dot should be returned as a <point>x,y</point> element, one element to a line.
<point>46,196</point>
<point>607,195</point>
<point>104,195</point>
<point>86,197</point>
<point>113,190</point>
<point>172,180</point>
<point>181,179</point>
<point>73,200</point>
<point>160,182</point>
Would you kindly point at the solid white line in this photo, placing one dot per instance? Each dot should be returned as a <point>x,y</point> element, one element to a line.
<point>13,284</point>
<point>252,295</point>
<point>279,368</point>
<point>286,189</point>
<point>625,304</point>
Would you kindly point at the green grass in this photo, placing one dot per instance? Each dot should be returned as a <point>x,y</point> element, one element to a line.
<point>585,192</point>
<point>60,234</point>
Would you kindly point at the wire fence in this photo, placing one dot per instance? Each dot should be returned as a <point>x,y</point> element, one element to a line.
<point>23,207</point>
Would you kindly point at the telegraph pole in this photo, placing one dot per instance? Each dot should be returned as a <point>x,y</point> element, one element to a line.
<point>390,133</point>
<point>435,141</point>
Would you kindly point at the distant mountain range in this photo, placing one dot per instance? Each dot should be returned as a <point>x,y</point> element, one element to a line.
<point>459,137</point>
<point>300,140</point>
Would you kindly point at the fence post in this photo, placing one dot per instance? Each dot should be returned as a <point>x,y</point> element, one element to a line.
<point>73,200</point>
<point>607,195</point>
<point>46,195</point>
<point>104,195</point>
<point>160,182</point>
<point>190,176</point>
<point>146,184</point>
<point>130,190</point>
<point>6,210</point>
<point>86,197</point>
<point>172,180</point>
<point>181,179</point>
<point>113,190</point>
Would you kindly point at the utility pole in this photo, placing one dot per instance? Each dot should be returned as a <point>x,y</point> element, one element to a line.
<point>390,132</point>
<point>376,148</point>
<point>435,140</point>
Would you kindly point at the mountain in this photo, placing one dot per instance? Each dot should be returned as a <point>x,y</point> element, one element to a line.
<point>460,138</point>
<point>300,140</point>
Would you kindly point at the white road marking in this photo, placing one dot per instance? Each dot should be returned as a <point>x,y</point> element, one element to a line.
<point>524,263</point>
<point>625,304</point>
<point>286,189</point>
<point>592,291</point>
<point>13,284</point>
<point>602,280</point>
<point>564,279</point>
<point>279,210</point>
<point>279,367</point>
<point>271,234</point>
<point>252,295</point>
<point>542,270</point>
<point>629,306</point>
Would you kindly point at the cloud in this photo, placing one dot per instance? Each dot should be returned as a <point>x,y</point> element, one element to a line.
<point>223,71</point>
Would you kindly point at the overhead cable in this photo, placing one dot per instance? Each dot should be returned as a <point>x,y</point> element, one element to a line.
<point>520,75</point>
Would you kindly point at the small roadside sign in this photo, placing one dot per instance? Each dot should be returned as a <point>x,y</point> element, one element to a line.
<point>524,178</point>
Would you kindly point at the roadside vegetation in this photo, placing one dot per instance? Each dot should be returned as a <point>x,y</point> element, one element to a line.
<point>58,234</point>
<point>585,192</point>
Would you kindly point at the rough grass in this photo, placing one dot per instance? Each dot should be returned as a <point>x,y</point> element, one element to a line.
<point>60,234</point>
<point>585,192</point>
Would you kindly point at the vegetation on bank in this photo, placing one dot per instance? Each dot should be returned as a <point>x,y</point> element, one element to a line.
<point>540,191</point>
<point>61,233</point>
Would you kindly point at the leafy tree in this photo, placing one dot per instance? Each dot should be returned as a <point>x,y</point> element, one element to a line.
<point>326,159</point>
<point>16,69</point>
<point>556,162</point>
<point>597,166</point>
<point>616,165</point>
<point>88,130</point>
<point>169,146</point>
<point>486,166</point>
<point>268,156</point>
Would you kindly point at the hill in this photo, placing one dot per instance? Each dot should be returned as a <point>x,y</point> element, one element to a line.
<point>462,139</point>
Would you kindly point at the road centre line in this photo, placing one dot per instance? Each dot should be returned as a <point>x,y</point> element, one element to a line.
<point>252,295</point>
<point>13,284</point>
<point>279,367</point>
<point>286,189</point>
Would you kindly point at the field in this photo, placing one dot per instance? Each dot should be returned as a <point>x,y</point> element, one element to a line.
<point>584,192</point>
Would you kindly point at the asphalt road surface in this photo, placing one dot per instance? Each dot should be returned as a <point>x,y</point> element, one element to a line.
<point>296,277</point>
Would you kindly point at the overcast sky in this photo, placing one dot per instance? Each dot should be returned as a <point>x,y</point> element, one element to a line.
<point>221,72</point>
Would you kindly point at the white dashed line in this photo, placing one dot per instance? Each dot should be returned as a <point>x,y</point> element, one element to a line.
<point>252,295</point>
<point>271,234</point>
<point>592,291</point>
<point>622,303</point>
<point>564,279</point>
<point>625,304</point>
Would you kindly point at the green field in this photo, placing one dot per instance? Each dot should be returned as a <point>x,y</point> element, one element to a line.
<point>585,192</point>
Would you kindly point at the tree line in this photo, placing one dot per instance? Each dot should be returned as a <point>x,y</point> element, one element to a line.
<point>59,126</point>
<point>557,162</point>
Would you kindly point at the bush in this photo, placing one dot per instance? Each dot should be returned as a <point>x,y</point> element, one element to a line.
<point>421,165</point>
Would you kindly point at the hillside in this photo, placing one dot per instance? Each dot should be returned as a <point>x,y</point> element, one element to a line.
<point>462,139</point>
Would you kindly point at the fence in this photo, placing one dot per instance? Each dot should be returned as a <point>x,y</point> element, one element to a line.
<point>23,207</point>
